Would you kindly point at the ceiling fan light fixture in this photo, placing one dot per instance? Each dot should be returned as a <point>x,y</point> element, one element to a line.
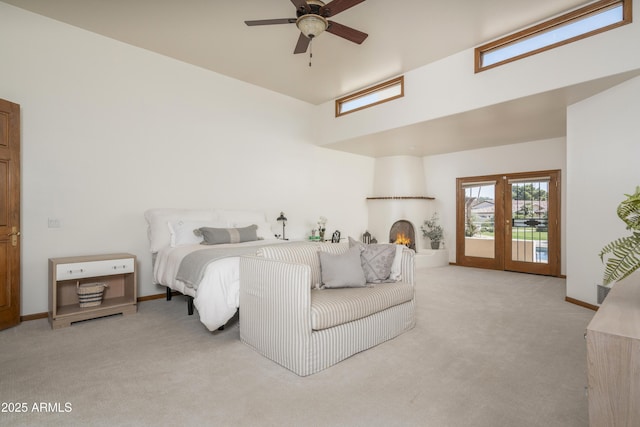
<point>312,25</point>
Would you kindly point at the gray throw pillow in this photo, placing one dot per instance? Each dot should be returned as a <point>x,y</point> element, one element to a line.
<point>342,271</point>
<point>217,236</point>
<point>376,260</point>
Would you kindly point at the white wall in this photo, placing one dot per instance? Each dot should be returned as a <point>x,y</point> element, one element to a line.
<point>399,176</point>
<point>603,154</point>
<point>442,170</point>
<point>109,130</point>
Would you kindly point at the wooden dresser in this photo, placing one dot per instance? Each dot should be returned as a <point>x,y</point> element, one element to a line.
<point>613,357</point>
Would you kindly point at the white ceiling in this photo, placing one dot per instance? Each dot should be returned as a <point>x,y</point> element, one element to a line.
<point>403,35</point>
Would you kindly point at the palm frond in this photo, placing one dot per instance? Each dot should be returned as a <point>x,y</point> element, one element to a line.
<point>629,210</point>
<point>624,258</point>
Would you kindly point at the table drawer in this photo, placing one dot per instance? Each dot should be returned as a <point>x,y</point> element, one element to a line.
<point>79,270</point>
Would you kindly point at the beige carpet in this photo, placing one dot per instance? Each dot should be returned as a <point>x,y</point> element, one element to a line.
<point>489,349</point>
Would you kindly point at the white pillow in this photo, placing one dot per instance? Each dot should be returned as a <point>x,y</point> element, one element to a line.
<point>396,266</point>
<point>182,231</point>
<point>157,219</point>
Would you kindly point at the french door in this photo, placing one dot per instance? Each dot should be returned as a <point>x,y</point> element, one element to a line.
<point>510,222</point>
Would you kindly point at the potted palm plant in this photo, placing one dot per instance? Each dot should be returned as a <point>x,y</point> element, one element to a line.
<point>623,254</point>
<point>433,231</point>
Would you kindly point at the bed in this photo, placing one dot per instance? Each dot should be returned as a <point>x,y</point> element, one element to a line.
<point>207,274</point>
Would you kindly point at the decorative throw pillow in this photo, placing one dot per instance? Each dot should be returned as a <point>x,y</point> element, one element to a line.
<point>217,236</point>
<point>376,260</point>
<point>263,232</point>
<point>182,231</point>
<point>342,271</point>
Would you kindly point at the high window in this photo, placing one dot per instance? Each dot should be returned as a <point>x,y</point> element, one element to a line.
<point>369,97</point>
<point>584,22</point>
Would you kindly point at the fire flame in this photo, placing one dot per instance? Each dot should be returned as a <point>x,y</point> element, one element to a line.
<point>402,239</point>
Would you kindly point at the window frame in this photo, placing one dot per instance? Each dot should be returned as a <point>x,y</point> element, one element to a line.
<point>558,22</point>
<point>373,89</point>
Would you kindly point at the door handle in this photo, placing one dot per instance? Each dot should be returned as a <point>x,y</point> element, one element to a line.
<point>14,236</point>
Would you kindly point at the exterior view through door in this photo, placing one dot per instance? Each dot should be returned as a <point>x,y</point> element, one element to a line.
<point>509,222</point>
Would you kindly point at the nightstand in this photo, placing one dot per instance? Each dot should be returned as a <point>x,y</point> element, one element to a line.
<point>118,271</point>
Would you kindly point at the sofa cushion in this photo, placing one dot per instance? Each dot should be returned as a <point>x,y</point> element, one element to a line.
<point>332,307</point>
<point>341,270</point>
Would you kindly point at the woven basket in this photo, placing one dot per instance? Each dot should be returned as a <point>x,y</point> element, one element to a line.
<point>90,294</point>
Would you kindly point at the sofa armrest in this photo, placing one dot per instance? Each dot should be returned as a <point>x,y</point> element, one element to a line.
<point>275,306</point>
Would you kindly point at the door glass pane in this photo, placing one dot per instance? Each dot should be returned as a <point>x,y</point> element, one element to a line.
<point>479,220</point>
<point>530,220</point>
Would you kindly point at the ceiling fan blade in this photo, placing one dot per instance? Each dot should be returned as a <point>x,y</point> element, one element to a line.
<point>303,44</point>
<point>271,21</point>
<point>336,6</point>
<point>346,32</point>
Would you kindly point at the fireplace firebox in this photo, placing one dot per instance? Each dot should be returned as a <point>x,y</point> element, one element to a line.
<point>403,233</point>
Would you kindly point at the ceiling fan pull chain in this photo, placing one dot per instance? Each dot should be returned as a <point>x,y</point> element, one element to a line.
<point>310,51</point>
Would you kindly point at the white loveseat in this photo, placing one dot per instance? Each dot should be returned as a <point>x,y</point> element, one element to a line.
<point>288,319</point>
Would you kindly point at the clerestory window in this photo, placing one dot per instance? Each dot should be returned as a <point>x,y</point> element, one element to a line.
<point>369,97</point>
<point>592,19</point>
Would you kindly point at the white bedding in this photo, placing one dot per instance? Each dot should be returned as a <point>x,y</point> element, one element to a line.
<point>217,295</point>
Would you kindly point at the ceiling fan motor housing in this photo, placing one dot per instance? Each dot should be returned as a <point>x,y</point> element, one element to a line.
<point>313,8</point>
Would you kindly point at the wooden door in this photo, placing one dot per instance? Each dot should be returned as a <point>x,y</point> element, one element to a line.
<point>480,212</point>
<point>532,212</point>
<point>9,214</point>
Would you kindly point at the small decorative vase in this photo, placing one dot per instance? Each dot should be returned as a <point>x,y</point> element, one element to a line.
<point>322,234</point>
<point>435,245</point>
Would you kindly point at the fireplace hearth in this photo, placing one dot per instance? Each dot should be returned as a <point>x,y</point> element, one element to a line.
<point>403,233</point>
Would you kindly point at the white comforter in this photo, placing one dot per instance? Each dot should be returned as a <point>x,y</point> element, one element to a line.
<point>217,295</point>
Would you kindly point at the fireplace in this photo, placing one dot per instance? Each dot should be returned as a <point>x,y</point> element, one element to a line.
<point>399,200</point>
<point>403,233</point>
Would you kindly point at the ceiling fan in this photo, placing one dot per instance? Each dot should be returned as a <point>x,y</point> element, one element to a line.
<point>312,20</point>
